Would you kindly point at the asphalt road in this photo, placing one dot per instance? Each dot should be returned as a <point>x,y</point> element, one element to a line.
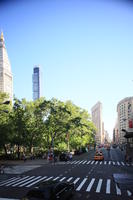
<point>93,179</point>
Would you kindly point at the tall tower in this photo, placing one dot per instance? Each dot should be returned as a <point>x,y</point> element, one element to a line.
<point>37,82</point>
<point>96,113</point>
<point>6,78</point>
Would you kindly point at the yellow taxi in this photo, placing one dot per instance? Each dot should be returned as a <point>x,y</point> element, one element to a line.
<point>98,156</point>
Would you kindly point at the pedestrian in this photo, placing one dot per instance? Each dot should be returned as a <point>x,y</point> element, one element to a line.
<point>24,157</point>
<point>2,169</point>
<point>55,159</point>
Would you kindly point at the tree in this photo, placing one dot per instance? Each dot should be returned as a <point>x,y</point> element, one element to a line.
<point>5,108</point>
<point>18,125</point>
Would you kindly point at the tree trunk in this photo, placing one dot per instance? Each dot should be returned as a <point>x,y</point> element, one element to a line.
<point>18,152</point>
<point>5,149</point>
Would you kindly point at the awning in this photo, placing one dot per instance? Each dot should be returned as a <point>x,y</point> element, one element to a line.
<point>128,135</point>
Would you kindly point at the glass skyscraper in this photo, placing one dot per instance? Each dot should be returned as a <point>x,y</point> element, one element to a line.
<point>37,82</point>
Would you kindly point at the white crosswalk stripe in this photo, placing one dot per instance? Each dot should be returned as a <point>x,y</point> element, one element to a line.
<point>99,185</point>
<point>123,163</point>
<point>62,179</point>
<point>29,181</point>
<point>80,162</point>
<point>77,179</point>
<point>129,193</point>
<point>69,179</point>
<point>56,178</point>
<point>10,181</point>
<point>118,191</point>
<point>118,163</point>
<point>90,185</point>
<point>19,182</point>
<point>7,181</point>
<point>108,186</point>
<point>33,183</point>
<point>23,181</point>
<point>81,184</point>
<point>84,184</point>
<point>113,163</point>
<point>84,162</point>
<point>91,162</point>
<point>77,162</point>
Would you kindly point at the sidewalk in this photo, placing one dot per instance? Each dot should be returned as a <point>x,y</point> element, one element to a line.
<point>39,161</point>
<point>21,162</point>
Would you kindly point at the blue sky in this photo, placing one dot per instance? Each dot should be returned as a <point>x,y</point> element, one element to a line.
<point>85,49</point>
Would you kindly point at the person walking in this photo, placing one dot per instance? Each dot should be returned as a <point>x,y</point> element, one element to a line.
<point>1,169</point>
<point>24,157</point>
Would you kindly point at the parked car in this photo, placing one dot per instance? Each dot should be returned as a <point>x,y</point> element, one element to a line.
<point>51,190</point>
<point>98,156</point>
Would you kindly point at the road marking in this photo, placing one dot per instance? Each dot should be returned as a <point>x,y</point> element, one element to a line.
<point>105,162</point>
<point>92,162</point>
<point>99,185</point>
<point>5,181</point>
<point>108,186</point>
<point>81,161</point>
<point>109,162</point>
<point>118,191</point>
<point>29,181</point>
<point>77,162</point>
<point>9,181</point>
<point>24,180</point>
<point>69,179</point>
<point>41,179</point>
<point>62,179</point>
<point>88,162</point>
<point>113,163</point>
<point>56,178</point>
<point>81,184</point>
<point>123,163</point>
<point>73,162</point>
<point>96,162</point>
<point>129,193</point>
<point>76,180</point>
<point>118,163</point>
<point>100,163</point>
<point>49,178</point>
<point>90,185</point>
<point>18,182</point>
<point>84,162</point>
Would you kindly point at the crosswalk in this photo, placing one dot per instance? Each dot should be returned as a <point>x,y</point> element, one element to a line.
<point>97,185</point>
<point>92,162</point>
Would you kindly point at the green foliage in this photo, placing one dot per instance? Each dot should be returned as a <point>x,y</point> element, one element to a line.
<point>44,124</point>
<point>5,108</point>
